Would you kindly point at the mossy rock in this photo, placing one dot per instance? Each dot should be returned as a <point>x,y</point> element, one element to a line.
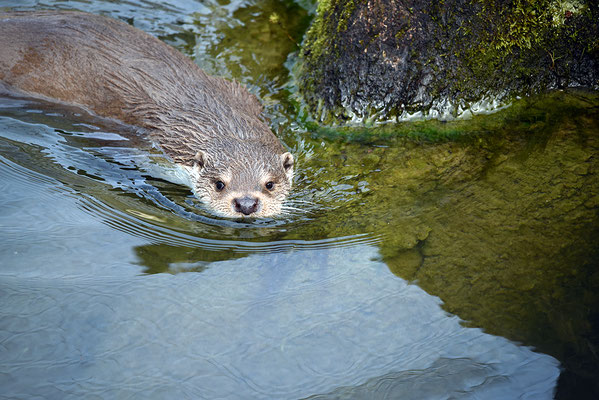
<point>380,60</point>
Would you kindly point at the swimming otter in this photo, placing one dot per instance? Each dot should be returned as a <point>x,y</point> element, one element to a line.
<point>209,126</point>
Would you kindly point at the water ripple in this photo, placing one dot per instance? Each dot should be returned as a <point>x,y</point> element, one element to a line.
<point>124,221</point>
<point>127,215</point>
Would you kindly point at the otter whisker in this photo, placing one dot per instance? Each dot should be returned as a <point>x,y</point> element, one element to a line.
<point>288,210</point>
<point>290,214</point>
<point>288,207</point>
<point>300,201</point>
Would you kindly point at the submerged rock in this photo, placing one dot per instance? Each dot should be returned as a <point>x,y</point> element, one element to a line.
<point>379,60</point>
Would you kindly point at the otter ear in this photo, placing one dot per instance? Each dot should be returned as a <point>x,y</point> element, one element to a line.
<point>287,160</point>
<point>199,160</point>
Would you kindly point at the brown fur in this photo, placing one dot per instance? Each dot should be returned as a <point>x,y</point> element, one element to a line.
<point>207,124</point>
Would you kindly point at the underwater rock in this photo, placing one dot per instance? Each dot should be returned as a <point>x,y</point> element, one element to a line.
<point>380,60</point>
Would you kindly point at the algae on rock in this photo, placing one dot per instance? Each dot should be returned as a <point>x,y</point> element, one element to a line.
<point>379,60</point>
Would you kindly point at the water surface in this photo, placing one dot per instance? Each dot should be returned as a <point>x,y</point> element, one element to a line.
<point>460,267</point>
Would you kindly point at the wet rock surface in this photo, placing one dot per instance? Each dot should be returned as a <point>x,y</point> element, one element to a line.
<point>384,59</point>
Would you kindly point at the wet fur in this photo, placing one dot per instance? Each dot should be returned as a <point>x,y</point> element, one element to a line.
<point>208,125</point>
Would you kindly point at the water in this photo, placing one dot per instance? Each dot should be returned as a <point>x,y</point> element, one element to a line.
<point>459,267</point>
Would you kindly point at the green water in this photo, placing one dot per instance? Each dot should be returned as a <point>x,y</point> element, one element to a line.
<point>496,215</point>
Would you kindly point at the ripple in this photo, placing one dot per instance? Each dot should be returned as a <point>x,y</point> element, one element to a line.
<point>159,17</point>
<point>128,221</point>
<point>110,183</point>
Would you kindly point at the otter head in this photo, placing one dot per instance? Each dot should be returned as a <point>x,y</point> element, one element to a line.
<point>247,181</point>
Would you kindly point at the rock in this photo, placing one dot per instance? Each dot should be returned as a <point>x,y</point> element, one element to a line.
<point>380,60</point>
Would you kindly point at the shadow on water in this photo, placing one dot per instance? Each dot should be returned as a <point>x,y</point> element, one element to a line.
<point>496,215</point>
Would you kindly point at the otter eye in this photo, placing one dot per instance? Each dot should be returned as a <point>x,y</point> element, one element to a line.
<point>219,185</point>
<point>270,185</point>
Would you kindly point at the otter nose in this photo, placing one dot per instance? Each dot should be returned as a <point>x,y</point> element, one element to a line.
<point>246,205</point>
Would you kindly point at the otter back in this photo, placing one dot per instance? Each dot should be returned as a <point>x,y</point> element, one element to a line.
<point>120,72</point>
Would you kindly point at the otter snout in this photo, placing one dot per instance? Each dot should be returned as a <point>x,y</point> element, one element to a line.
<point>246,205</point>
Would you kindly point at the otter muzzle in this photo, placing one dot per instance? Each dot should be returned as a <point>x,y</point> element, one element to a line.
<point>246,205</point>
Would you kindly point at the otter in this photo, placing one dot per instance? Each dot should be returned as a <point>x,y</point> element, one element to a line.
<point>210,127</point>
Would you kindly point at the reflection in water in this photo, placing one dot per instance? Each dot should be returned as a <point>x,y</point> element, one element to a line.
<point>502,226</point>
<point>446,378</point>
<point>77,322</point>
<point>199,253</point>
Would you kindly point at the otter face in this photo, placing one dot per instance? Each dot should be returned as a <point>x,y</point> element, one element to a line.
<point>253,187</point>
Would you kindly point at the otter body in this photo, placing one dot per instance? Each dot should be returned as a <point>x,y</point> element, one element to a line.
<point>209,126</point>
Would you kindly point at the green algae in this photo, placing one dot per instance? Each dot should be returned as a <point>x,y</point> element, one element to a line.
<point>460,52</point>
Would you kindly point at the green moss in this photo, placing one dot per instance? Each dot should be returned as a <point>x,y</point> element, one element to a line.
<point>512,42</point>
<point>524,25</point>
<point>346,13</point>
<point>331,18</point>
<point>484,48</point>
